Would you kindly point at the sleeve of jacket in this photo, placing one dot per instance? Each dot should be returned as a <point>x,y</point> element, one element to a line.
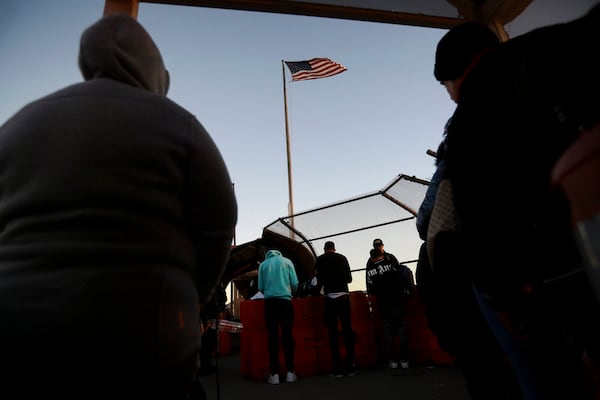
<point>368,280</point>
<point>211,209</point>
<point>349,272</point>
<point>424,213</point>
<point>293,279</point>
<point>260,279</point>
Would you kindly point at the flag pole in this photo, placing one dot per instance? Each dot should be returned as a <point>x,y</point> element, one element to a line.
<point>287,143</point>
<point>302,70</point>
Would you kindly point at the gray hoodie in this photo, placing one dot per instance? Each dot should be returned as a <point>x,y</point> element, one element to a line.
<point>116,208</point>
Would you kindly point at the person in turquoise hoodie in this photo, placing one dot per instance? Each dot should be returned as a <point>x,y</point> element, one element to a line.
<point>278,282</point>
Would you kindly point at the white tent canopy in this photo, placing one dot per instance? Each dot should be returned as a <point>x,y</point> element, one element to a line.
<point>352,224</point>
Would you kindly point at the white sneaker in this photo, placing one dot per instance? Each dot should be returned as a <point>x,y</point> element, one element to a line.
<point>273,379</point>
<point>393,364</point>
<point>404,364</point>
<point>291,377</point>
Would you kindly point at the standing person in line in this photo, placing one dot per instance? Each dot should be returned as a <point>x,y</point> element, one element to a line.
<point>117,216</point>
<point>452,309</point>
<point>522,106</point>
<point>210,313</point>
<point>333,272</point>
<point>384,282</point>
<point>378,244</point>
<point>278,282</point>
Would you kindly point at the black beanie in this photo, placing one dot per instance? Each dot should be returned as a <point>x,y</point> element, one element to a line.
<point>457,48</point>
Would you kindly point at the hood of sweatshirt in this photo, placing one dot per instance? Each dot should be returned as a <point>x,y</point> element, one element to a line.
<point>119,48</point>
<point>272,253</point>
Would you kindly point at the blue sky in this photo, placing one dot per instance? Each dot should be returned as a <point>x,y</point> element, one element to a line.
<point>350,134</point>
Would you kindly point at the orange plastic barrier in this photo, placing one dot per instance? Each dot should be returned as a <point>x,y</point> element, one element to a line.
<point>423,347</point>
<point>225,343</point>
<point>312,355</point>
<point>364,326</point>
<point>311,349</point>
<point>254,359</point>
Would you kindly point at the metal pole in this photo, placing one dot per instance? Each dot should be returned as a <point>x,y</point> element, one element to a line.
<point>288,147</point>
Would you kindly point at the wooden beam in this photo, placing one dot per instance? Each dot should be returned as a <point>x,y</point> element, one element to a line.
<point>498,28</point>
<point>321,10</point>
<point>504,11</point>
<point>122,7</point>
<point>490,12</point>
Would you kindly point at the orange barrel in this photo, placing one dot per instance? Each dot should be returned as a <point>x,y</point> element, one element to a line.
<point>225,343</point>
<point>255,362</point>
<point>252,314</point>
<point>419,350</point>
<point>303,313</point>
<point>318,340</point>
<point>423,345</point>
<point>307,336</point>
<point>437,356</point>
<point>254,356</point>
<point>307,332</point>
<point>363,325</point>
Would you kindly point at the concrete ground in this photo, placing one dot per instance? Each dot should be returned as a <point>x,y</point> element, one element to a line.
<point>415,383</point>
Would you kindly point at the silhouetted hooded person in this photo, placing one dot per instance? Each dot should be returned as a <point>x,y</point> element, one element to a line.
<point>520,108</point>
<point>117,215</point>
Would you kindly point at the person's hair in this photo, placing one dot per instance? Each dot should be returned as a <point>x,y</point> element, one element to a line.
<point>375,252</point>
<point>459,46</point>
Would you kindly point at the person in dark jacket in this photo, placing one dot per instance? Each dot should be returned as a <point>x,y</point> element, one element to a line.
<point>521,107</point>
<point>445,286</point>
<point>384,282</point>
<point>116,220</point>
<point>210,314</point>
<point>332,270</point>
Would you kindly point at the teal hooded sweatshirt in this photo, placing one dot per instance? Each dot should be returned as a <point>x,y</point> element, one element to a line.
<point>277,276</point>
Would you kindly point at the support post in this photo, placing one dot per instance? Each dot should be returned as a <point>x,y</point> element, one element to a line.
<point>288,147</point>
<point>121,7</point>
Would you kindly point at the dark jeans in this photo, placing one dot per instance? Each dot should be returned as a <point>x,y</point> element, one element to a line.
<point>339,308</point>
<point>393,319</point>
<point>546,334</point>
<point>208,347</point>
<point>279,313</point>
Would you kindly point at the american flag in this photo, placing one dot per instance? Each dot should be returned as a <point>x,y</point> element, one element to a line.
<point>314,68</point>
